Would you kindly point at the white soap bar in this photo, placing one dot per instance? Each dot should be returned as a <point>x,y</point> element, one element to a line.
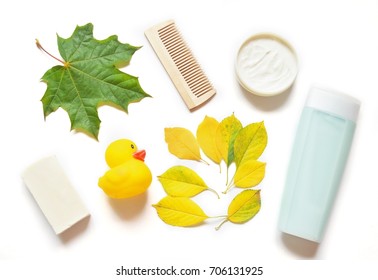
<point>54,194</point>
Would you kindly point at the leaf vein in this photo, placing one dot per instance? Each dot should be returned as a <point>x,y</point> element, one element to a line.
<point>182,212</point>
<point>79,96</point>
<point>58,88</point>
<point>242,205</point>
<point>187,147</point>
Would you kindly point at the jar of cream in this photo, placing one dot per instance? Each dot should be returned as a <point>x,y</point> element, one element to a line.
<point>266,65</point>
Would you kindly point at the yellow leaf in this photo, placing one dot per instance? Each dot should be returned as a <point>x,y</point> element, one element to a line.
<point>243,207</point>
<point>182,143</point>
<point>181,181</point>
<point>249,174</point>
<point>225,137</point>
<point>250,142</point>
<point>180,211</point>
<point>206,132</point>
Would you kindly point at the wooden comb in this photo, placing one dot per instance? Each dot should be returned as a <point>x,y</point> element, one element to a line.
<point>180,64</point>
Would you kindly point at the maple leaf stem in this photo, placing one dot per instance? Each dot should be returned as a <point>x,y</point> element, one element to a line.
<point>39,46</point>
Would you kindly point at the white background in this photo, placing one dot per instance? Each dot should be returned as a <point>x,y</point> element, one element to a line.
<point>337,46</point>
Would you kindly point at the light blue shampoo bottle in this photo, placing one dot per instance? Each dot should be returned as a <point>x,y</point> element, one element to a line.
<point>320,151</point>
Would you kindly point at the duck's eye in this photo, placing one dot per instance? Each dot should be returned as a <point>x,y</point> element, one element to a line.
<point>132,146</point>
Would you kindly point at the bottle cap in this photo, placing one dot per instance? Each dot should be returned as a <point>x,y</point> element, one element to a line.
<point>333,102</point>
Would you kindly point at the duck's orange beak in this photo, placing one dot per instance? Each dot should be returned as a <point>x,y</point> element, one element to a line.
<point>141,154</point>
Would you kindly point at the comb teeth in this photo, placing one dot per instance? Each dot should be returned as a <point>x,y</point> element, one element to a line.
<point>182,67</point>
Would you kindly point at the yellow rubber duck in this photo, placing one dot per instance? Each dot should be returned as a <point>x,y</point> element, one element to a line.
<point>128,175</point>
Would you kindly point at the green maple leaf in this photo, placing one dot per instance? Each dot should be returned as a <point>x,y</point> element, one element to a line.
<point>89,78</point>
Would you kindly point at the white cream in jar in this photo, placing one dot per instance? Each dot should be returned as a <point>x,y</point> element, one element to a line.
<point>266,65</point>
